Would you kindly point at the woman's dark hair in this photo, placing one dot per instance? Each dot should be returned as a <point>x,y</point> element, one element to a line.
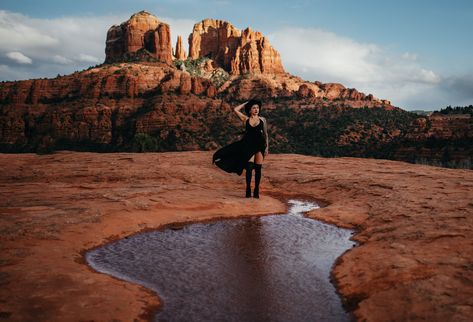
<point>250,103</point>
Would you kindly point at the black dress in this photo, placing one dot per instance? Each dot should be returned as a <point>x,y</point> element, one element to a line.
<point>235,156</point>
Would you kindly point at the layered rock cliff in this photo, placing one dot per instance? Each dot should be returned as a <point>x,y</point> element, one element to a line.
<point>142,31</point>
<point>235,51</point>
<point>453,126</point>
<point>100,106</point>
<point>107,108</point>
<point>109,104</point>
<point>438,139</point>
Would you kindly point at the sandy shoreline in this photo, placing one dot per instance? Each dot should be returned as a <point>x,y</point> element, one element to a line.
<point>414,227</point>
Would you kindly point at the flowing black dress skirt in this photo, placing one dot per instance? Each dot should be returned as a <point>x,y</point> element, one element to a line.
<point>235,156</point>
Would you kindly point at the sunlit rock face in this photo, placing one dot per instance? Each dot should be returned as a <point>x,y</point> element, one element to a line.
<point>141,31</point>
<point>238,52</point>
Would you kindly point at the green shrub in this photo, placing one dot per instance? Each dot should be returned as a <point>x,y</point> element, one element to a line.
<point>144,143</point>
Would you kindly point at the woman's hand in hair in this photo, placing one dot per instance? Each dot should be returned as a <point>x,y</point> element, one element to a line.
<point>238,112</point>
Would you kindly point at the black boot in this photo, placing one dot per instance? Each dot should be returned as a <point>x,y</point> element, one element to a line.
<point>257,180</point>
<point>249,170</point>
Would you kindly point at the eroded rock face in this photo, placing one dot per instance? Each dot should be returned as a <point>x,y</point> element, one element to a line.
<point>216,39</point>
<point>449,126</point>
<point>141,31</point>
<point>104,105</point>
<point>438,139</point>
<point>236,52</point>
<point>96,105</point>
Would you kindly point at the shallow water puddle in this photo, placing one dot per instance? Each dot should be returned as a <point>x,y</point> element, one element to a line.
<point>269,268</point>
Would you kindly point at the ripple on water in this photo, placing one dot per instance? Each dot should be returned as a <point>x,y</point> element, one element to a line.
<point>270,268</point>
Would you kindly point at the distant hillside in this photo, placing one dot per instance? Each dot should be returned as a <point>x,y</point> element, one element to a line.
<point>149,97</point>
<point>457,110</point>
<point>421,112</point>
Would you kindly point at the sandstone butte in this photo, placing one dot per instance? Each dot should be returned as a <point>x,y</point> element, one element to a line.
<point>94,105</point>
<point>413,227</point>
<point>237,52</point>
<point>141,31</point>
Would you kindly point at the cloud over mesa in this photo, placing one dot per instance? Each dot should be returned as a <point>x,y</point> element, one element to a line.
<point>316,54</point>
<point>19,58</point>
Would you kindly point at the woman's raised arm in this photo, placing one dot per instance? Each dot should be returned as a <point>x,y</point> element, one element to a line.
<point>238,112</point>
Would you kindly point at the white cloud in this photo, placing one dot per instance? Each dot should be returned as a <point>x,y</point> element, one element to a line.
<point>180,27</point>
<point>88,58</point>
<point>409,56</point>
<point>60,45</point>
<point>427,76</point>
<point>19,57</point>
<point>19,32</point>
<point>315,54</point>
<point>61,60</point>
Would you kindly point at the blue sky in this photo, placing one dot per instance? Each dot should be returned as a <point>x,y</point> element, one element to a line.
<point>415,53</point>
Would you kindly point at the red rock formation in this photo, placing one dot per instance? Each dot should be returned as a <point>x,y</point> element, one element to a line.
<point>236,52</point>
<point>216,39</point>
<point>451,126</point>
<point>141,31</point>
<point>256,55</point>
<point>180,52</point>
<point>305,91</point>
<point>441,126</point>
<point>106,104</point>
<point>160,43</point>
<point>333,90</point>
<point>90,105</point>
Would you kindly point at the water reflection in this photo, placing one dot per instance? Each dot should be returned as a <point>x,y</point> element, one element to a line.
<point>271,268</point>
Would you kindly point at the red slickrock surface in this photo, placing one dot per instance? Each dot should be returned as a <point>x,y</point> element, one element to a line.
<point>414,227</point>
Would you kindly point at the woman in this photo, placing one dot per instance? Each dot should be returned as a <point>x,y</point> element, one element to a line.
<point>250,151</point>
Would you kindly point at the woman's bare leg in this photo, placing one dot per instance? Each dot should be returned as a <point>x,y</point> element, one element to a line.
<point>259,158</point>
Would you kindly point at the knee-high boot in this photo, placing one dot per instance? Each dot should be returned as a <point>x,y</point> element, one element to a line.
<point>257,179</point>
<point>249,170</point>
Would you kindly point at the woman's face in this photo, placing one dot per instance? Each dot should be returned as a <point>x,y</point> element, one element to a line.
<point>254,110</point>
